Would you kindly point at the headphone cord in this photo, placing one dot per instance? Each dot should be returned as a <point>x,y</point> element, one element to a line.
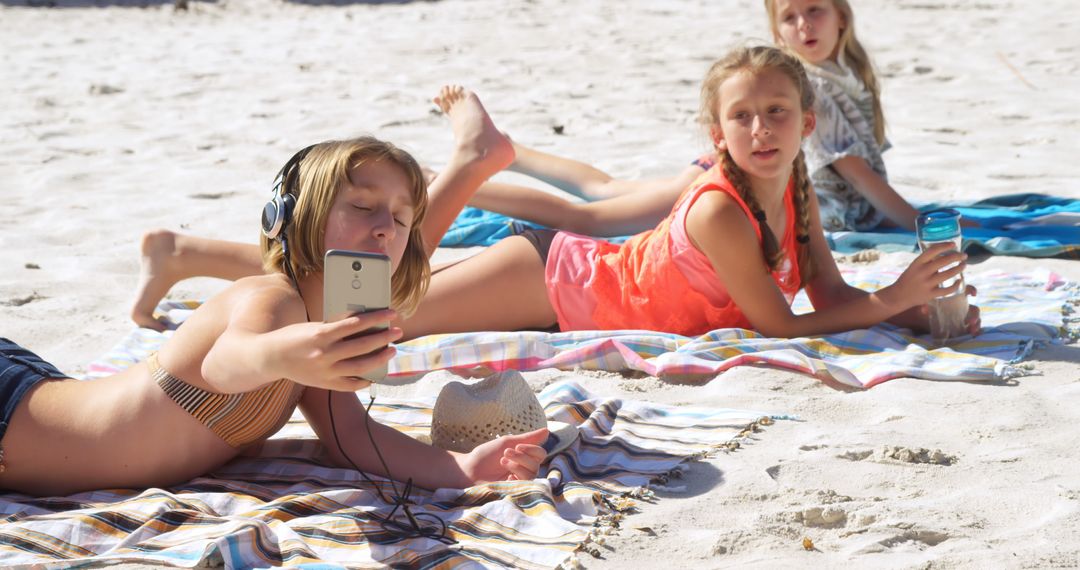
<point>436,528</point>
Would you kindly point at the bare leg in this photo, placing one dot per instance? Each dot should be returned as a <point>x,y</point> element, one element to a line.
<point>619,215</point>
<point>530,204</point>
<point>480,151</point>
<point>501,289</point>
<point>580,179</point>
<point>586,181</point>
<point>168,258</point>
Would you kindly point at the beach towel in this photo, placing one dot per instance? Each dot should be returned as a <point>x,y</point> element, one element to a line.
<point>1020,313</point>
<point>474,226</point>
<point>1024,225</point>
<point>284,507</point>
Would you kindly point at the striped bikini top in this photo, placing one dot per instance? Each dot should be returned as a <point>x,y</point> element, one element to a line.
<point>239,419</point>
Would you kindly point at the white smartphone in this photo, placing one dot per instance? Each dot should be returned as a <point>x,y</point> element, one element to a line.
<point>356,282</point>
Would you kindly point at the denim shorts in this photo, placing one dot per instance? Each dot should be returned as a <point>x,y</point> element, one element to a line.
<point>20,370</point>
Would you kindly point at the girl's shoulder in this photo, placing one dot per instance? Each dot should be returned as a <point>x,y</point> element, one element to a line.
<point>272,295</point>
<point>715,201</point>
<point>272,285</point>
<point>716,205</point>
<point>829,95</point>
<point>836,80</point>
<point>713,183</point>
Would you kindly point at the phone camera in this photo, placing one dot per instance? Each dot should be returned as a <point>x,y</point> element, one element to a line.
<point>356,266</point>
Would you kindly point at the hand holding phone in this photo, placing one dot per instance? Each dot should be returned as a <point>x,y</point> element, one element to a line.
<point>356,282</point>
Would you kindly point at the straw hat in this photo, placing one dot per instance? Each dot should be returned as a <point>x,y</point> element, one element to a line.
<point>466,415</point>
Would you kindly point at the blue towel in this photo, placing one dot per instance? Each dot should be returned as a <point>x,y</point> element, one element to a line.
<point>1043,231</point>
<point>481,227</point>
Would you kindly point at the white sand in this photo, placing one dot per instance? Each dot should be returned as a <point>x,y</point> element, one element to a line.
<point>117,120</point>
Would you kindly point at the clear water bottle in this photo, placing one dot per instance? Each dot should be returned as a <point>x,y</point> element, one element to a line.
<point>947,313</point>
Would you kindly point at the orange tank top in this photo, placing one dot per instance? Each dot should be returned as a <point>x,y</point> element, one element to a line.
<point>657,280</point>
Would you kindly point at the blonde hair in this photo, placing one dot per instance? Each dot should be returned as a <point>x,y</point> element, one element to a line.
<point>323,172</point>
<point>756,60</point>
<point>854,55</point>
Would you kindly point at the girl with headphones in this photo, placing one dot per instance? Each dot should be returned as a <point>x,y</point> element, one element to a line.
<point>234,373</point>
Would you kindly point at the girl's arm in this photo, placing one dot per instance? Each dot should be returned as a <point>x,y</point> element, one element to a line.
<point>509,457</point>
<point>828,288</point>
<point>267,337</point>
<point>720,229</point>
<point>621,215</point>
<point>857,172</point>
<point>825,293</point>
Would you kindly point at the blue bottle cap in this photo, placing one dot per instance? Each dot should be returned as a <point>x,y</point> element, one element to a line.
<point>938,225</point>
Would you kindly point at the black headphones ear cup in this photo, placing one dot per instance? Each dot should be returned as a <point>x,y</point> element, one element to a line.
<point>277,213</point>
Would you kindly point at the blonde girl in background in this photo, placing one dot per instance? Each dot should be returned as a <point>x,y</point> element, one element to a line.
<point>843,155</point>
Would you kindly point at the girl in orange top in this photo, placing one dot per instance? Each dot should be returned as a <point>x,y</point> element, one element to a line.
<point>715,261</point>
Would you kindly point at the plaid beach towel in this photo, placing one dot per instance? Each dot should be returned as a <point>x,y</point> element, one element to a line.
<point>285,508</point>
<point>1020,313</point>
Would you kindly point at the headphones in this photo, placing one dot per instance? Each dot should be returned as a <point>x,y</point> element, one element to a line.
<point>278,210</point>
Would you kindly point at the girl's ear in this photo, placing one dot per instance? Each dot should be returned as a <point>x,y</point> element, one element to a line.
<point>717,137</point>
<point>809,122</point>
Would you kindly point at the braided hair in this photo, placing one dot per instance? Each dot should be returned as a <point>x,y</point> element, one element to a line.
<point>755,60</point>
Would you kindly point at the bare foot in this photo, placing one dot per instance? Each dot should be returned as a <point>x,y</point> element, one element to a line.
<point>479,144</point>
<point>156,277</point>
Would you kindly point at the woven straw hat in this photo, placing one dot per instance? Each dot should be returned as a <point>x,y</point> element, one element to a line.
<point>466,415</point>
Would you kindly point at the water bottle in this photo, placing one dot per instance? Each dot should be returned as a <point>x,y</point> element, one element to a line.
<point>947,314</point>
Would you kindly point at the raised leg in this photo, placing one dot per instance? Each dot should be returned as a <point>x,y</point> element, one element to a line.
<point>588,182</point>
<point>169,257</point>
<point>578,178</point>
<point>480,151</point>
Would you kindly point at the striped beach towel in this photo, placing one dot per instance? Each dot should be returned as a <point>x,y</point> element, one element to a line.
<point>285,508</point>
<point>1020,313</point>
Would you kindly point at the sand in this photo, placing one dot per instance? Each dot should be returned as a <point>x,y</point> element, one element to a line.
<point>122,117</point>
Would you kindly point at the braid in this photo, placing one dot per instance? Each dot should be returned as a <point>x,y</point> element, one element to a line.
<point>803,188</point>
<point>770,248</point>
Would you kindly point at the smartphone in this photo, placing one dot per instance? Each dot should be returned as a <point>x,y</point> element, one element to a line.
<point>356,282</point>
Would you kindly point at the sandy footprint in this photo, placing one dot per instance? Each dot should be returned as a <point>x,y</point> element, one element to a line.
<point>906,539</point>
